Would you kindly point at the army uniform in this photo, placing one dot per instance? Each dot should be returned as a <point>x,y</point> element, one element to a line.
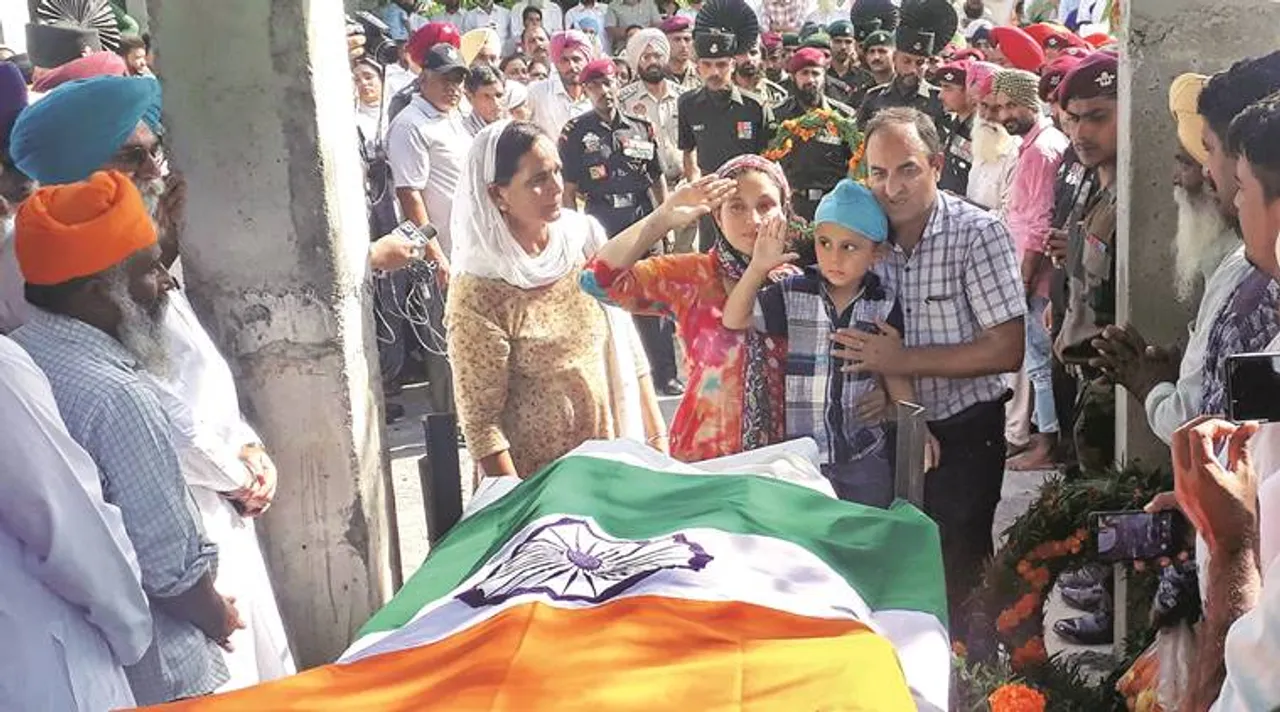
<point>689,80</point>
<point>815,166</point>
<point>1091,306</point>
<point>768,91</point>
<point>614,165</point>
<point>857,82</point>
<point>957,154</point>
<point>925,97</point>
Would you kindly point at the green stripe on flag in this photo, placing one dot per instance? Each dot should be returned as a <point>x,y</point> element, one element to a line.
<point>891,557</point>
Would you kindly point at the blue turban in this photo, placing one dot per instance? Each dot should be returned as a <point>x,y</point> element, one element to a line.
<point>75,129</point>
<point>13,99</point>
<point>587,22</point>
<point>851,205</point>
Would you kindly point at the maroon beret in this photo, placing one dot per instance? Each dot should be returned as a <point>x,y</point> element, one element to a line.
<point>1052,74</point>
<point>676,23</point>
<point>952,73</point>
<point>597,69</point>
<point>807,57</point>
<point>1097,75</point>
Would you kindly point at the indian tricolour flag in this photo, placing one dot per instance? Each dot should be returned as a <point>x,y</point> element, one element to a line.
<point>602,584</point>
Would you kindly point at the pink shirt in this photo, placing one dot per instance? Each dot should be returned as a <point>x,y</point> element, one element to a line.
<point>1031,194</point>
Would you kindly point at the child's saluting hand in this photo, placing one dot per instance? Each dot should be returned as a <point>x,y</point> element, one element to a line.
<point>770,250</point>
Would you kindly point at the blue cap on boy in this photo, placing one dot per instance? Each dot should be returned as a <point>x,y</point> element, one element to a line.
<point>851,205</point>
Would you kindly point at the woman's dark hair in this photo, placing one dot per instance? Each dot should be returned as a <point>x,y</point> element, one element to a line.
<point>502,66</point>
<point>1255,134</point>
<point>367,61</point>
<point>481,75</point>
<point>1230,92</point>
<point>516,140</point>
<point>530,11</point>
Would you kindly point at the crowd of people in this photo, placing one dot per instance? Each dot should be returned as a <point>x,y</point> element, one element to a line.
<point>788,214</point>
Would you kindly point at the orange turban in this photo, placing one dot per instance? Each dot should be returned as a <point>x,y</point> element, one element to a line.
<point>67,231</point>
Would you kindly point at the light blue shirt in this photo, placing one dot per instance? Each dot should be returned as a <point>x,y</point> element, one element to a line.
<point>397,19</point>
<point>111,409</point>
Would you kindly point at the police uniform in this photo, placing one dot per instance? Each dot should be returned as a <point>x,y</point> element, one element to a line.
<point>614,164</point>
<point>635,100</point>
<point>814,167</point>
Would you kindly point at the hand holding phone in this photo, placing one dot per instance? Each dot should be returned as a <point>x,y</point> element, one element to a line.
<point>1253,387</point>
<point>1137,535</point>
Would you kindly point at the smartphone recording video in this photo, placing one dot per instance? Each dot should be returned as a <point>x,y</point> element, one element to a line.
<point>1132,536</point>
<point>1253,387</point>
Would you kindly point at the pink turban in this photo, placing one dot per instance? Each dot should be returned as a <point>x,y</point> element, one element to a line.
<point>91,65</point>
<point>979,77</point>
<point>562,42</point>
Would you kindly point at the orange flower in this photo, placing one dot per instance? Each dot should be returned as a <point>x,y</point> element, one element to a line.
<point>1040,578</point>
<point>789,125</point>
<point>1016,698</point>
<point>1007,621</point>
<point>1027,605</point>
<point>1074,545</point>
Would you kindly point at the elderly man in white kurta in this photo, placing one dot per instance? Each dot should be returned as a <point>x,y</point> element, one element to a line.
<point>232,481</point>
<point>72,610</point>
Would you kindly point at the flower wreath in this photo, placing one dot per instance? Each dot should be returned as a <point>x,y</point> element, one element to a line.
<point>1046,540</point>
<point>804,127</point>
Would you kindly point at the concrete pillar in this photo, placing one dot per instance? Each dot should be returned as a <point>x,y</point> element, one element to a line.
<point>258,107</point>
<point>1164,38</point>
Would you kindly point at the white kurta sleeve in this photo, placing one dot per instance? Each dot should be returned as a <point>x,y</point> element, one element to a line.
<point>53,504</point>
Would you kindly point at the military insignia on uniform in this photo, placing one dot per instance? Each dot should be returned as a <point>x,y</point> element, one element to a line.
<point>918,46</point>
<point>962,149</point>
<point>745,130</point>
<point>591,143</point>
<point>715,48</point>
<point>1105,79</point>
<point>640,109</point>
<point>597,172</point>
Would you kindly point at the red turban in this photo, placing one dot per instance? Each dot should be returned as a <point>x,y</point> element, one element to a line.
<point>1020,48</point>
<point>1041,31</point>
<point>94,65</point>
<point>430,35</point>
<point>63,232</point>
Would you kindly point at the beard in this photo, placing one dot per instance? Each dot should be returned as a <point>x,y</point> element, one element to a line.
<point>152,190</point>
<point>141,328</point>
<point>991,142</point>
<point>747,70</point>
<point>652,74</point>
<point>810,95</point>
<point>1202,239</point>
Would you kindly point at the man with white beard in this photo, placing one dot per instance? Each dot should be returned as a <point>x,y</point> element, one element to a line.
<point>112,123</point>
<point>995,152</point>
<point>89,255</point>
<point>1205,247</point>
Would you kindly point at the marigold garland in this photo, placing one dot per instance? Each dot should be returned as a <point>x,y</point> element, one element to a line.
<point>805,127</point>
<point>1016,698</point>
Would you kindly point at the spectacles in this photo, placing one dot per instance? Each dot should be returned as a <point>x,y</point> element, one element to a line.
<point>135,157</point>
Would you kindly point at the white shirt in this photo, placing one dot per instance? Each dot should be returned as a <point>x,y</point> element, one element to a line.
<point>826,17</point>
<point>552,18</point>
<point>13,303</point>
<point>598,11</point>
<point>372,122</point>
<point>426,150</point>
<point>453,18</point>
<point>498,18</point>
<point>1252,649</point>
<point>72,609</point>
<point>552,107</point>
<point>1170,405</point>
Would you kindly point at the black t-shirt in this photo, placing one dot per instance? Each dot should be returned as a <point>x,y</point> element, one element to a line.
<point>721,125</point>
<point>815,166</point>
<point>957,154</point>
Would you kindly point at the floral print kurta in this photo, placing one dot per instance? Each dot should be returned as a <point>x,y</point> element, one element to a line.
<point>690,289</point>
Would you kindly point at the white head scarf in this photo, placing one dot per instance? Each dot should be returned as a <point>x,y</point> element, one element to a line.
<point>483,245</point>
<point>641,40</point>
<point>517,94</point>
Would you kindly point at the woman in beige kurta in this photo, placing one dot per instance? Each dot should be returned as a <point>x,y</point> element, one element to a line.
<point>536,369</point>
